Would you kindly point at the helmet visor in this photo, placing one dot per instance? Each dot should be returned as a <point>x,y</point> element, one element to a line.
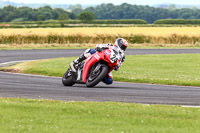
<point>123,47</point>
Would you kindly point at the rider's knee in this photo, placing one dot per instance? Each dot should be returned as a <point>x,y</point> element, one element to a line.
<point>107,80</point>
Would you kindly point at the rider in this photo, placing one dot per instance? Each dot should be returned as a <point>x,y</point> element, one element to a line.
<point>119,46</point>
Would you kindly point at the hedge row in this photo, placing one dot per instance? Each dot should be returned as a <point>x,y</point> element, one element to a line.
<point>113,21</point>
<point>178,21</point>
<point>99,38</point>
<point>121,21</point>
<point>70,26</point>
<point>110,21</point>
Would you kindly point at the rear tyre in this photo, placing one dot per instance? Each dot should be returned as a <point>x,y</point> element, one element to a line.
<point>67,79</point>
<point>97,77</point>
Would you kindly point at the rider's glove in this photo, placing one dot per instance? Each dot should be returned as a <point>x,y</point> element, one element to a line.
<point>123,59</point>
<point>118,66</point>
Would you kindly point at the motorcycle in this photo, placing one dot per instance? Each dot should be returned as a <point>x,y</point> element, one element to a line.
<point>93,70</point>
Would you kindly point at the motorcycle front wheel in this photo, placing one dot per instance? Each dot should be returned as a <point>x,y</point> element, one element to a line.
<point>67,79</point>
<point>96,76</point>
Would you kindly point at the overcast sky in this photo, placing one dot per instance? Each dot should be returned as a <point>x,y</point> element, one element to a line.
<point>116,2</point>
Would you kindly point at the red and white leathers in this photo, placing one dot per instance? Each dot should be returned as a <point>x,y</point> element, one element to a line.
<point>120,52</point>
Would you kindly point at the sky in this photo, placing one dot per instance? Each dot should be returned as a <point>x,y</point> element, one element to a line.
<point>116,2</point>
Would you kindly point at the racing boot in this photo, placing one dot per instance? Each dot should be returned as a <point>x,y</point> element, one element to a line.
<point>74,65</point>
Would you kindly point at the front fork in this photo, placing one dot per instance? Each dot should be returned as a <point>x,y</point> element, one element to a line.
<point>77,76</point>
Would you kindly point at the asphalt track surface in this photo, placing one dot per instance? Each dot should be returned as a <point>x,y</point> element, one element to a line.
<point>42,87</point>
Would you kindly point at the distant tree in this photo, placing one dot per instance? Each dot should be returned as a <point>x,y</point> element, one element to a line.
<point>186,13</point>
<point>62,18</point>
<point>9,13</point>
<point>72,15</point>
<point>26,13</point>
<point>40,18</point>
<point>86,16</point>
<point>46,12</point>
<point>57,12</point>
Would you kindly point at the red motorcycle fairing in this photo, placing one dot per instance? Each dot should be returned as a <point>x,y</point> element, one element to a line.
<point>90,61</point>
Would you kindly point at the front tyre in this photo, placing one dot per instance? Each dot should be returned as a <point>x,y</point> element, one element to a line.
<point>67,79</point>
<point>96,76</point>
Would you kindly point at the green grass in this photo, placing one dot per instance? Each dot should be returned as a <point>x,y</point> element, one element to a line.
<point>177,69</point>
<point>38,116</point>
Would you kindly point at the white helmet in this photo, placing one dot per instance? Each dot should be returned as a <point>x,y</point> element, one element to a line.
<point>121,43</point>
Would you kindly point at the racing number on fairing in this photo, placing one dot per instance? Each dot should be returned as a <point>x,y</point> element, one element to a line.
<point>113,57</point>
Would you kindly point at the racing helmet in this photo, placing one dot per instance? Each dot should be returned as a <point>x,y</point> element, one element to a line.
<point>121,44</point>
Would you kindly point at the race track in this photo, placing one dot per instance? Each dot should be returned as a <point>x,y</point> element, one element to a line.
<point>41,87</point>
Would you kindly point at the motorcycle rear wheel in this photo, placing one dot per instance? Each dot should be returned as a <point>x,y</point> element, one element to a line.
<point>95,79</point>
<point>67,79</point>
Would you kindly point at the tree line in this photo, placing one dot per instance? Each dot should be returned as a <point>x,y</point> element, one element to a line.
<point>11,13</point>
<point>103,11</point>
<point>150,14</point>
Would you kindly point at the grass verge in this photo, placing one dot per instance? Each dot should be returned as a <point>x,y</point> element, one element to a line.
<point>25,115</point>
<point>176,69</point>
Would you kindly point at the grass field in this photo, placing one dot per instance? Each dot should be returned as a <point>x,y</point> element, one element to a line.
<point>153,36</point>
<point>25,115</point>
<point>180,69</point>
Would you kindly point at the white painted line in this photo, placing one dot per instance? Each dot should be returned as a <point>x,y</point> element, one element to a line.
<point>10,62</point>
<point>16,62</point>
<point>13,63</point>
